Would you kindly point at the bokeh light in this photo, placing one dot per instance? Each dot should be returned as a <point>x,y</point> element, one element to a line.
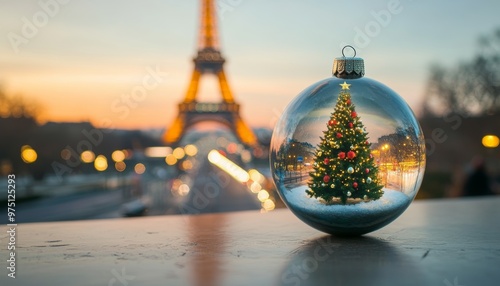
<point>101,163</point>
<point>158,152</point>
<point>232,148</point>
<point>263,195</point>
<point>183,190</point>
<point>120,166</point>
<point>28,154</point>
<point>171,160</point>
<point>178,153</point>
<point>491,141</point>
<point>228,166</point>
<point>256,176</point>
<point>246,156</point>
<point>65,154</point>
<point>187,165</point>
<point>268,205</point>
<point>87,156</point>
<point>255,187</point>
<point>190,150</point>
<point>139,168</point>
<point>118,156</point>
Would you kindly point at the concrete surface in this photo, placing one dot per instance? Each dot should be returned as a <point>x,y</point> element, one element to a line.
<point>440,242</point>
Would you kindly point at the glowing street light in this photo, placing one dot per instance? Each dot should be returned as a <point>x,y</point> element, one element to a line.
<point>263,195</point>
<point>120,166</point>
<point>228,166</point>
<point>190,150</point>
<point>28,154</point>
<point>179,153</point>
<point>171,160</point>
<point>490,141</point>
<point>101,163</point>
<point>139,168</point>
<point>268,205</point>
<point>87,156</point>
<point>158,152</point>
<point>118,156</point>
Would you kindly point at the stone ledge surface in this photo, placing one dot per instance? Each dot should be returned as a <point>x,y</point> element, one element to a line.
<point>436,242</point>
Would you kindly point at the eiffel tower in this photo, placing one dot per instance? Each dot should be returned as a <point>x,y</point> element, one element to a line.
<point>209,60</point>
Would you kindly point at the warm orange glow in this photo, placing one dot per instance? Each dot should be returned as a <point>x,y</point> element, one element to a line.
<point>118,156</point>
<point>158,152</point>
<point>245,133</point>
<point>179,153</point>
<point>246,156</point>
<point>101,163</point>
<point>268,205</point>
<point>263,195</point>
<point>256,176</point>
<point>120,166</point>
<point>139,168</point>
<point>232,148</point>
<point>187,165</point>
<point>228,166</point>
<point>183,190</point>
<point>174,132</point>
<point>171,160</point>
<point>255,187</point>
<point>190,150</point>
<point>28,154</point>
<point>87,156</point>
<point>491,141</point>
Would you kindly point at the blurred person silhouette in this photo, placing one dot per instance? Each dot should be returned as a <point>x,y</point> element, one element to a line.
<point>478,183</point>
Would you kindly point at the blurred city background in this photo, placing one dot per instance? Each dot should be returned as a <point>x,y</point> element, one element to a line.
<point>103,113</point>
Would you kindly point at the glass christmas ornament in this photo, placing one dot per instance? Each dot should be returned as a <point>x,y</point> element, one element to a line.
<point>347,155</point>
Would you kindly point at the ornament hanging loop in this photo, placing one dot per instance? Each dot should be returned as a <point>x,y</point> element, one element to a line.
<point>348,68</point>
<point>349,46</point>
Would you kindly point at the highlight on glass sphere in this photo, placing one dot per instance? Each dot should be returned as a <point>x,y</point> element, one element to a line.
<point>348,154</point>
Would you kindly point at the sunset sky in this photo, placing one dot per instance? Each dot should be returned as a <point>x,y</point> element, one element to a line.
<point>83,57</point>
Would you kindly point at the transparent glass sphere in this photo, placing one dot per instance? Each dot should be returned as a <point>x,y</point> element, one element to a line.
<point>347,156</point>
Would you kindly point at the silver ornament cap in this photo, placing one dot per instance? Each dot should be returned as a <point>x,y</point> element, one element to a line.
<point>348,67</point>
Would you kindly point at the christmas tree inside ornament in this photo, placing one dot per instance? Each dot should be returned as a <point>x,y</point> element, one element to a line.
<point>362,152</point>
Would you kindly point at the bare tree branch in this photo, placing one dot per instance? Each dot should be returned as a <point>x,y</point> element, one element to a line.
<point>470,88</point>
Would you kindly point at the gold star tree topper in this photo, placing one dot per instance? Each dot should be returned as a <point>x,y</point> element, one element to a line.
<point>345,85</point>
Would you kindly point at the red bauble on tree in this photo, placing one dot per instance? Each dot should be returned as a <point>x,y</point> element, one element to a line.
<point>332,122</point>
<point>354,114</point>
<point>351,155</point>
<point>326,161</point>
<point>326,179</point>
<point>355,185</point>
<point>342,155</point>
<point>350,125</point>
<point>339,135</point>
<point>367,170</point>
